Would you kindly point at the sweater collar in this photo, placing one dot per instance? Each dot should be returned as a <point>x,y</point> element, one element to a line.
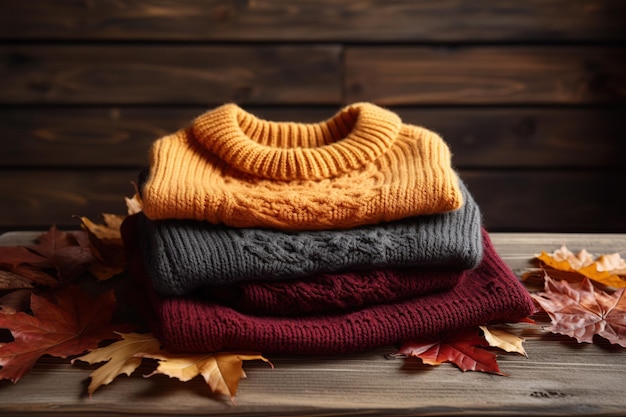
<point>356,135</point>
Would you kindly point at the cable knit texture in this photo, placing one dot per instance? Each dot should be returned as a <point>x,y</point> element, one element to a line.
<point>183,255</point>
<point>324,294</point>
<point>361,166</point>
<point>488,293</point>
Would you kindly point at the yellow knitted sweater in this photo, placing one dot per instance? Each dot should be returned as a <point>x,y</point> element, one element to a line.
<point>361,166</point>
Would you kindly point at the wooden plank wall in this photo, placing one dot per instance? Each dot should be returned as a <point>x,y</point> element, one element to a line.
<point>529,94</point>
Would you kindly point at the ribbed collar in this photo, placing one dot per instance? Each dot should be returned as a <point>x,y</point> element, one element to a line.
<point>357,134</point>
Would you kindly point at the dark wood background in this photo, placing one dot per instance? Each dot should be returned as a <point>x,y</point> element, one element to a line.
<point>529,94</point>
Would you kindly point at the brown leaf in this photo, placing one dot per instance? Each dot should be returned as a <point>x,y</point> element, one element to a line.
<point>69,325</point>
<point>584,311</point>
<point>221,371</point>
<point>36,275</point>
<point>462,348</point>
<point>67,252</point>
<point>21,261</point>
<point>11,281</point>
<point>107,246</point>
<point>120,358</point>
<point>18,300</point>
<point>13,256</point>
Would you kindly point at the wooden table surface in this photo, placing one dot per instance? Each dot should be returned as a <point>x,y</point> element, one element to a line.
<point>559,377</point>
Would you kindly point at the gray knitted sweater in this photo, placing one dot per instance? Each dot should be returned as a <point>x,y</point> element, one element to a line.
<point>183,255</point>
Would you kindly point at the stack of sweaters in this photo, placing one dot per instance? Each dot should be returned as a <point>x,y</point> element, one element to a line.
<point>280,237</point>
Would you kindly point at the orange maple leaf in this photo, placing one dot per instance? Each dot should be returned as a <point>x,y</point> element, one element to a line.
<point>69,326</point>
<point>221,371</point>
<point>462,348</point>
<point>584,311</point>
<point>605,269</point>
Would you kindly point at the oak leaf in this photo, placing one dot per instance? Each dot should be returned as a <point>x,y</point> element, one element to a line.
<point>503,340</point>
<point>584,311</point>
<point>463,348</point>
<point>120,358</point>
<point>605,269</point>
<point>221,371</point>
<point>69,325</point>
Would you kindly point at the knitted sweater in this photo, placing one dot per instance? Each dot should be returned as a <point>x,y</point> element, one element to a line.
<point>488,293</point>
<point>182,255</point>
<point>361,166</point>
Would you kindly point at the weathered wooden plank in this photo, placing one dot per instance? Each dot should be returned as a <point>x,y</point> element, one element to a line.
<point>511,200</point>
<point>486,75</point>
<point>41,198</point>
<point>547,382</point>
<point>170,74</point>
<point>479,137</point>
<point>326,20</point>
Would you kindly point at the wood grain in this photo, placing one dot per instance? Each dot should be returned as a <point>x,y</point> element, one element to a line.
<point>478,137</point>
<point>42,198</point>
<point>549,201</point>
<point>204,75</point>
<point>322,20</point>
<point>402,75</point>
<point>511,200</point>
<point>560,377</point>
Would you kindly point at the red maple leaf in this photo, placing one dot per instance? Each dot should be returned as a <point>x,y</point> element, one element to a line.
<point>583,311</point>
<point>462,348</point>
<point>72,324</point>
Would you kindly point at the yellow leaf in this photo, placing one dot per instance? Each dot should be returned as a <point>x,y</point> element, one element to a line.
<point>110,231</point>
<point>599,270</point>
<point>120,357</point>
<point>221,371</point>
<point>134,204</point>
<point>575,261</point>
<point>504,340</point>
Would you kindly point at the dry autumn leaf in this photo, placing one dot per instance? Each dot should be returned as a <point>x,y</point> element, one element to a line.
<point>67,252</point>
<point>584,311</point>
<point>504,340</point>
<point>221,371</point>
<point>462,348</point>
<point>120,358</point>
<point>604,270</point>
<point>612,263</point>
<point>134,204</point>
<point>11,281</point>
<point>106,245</point>
<point>19,260</point>
<point>69,326</point>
